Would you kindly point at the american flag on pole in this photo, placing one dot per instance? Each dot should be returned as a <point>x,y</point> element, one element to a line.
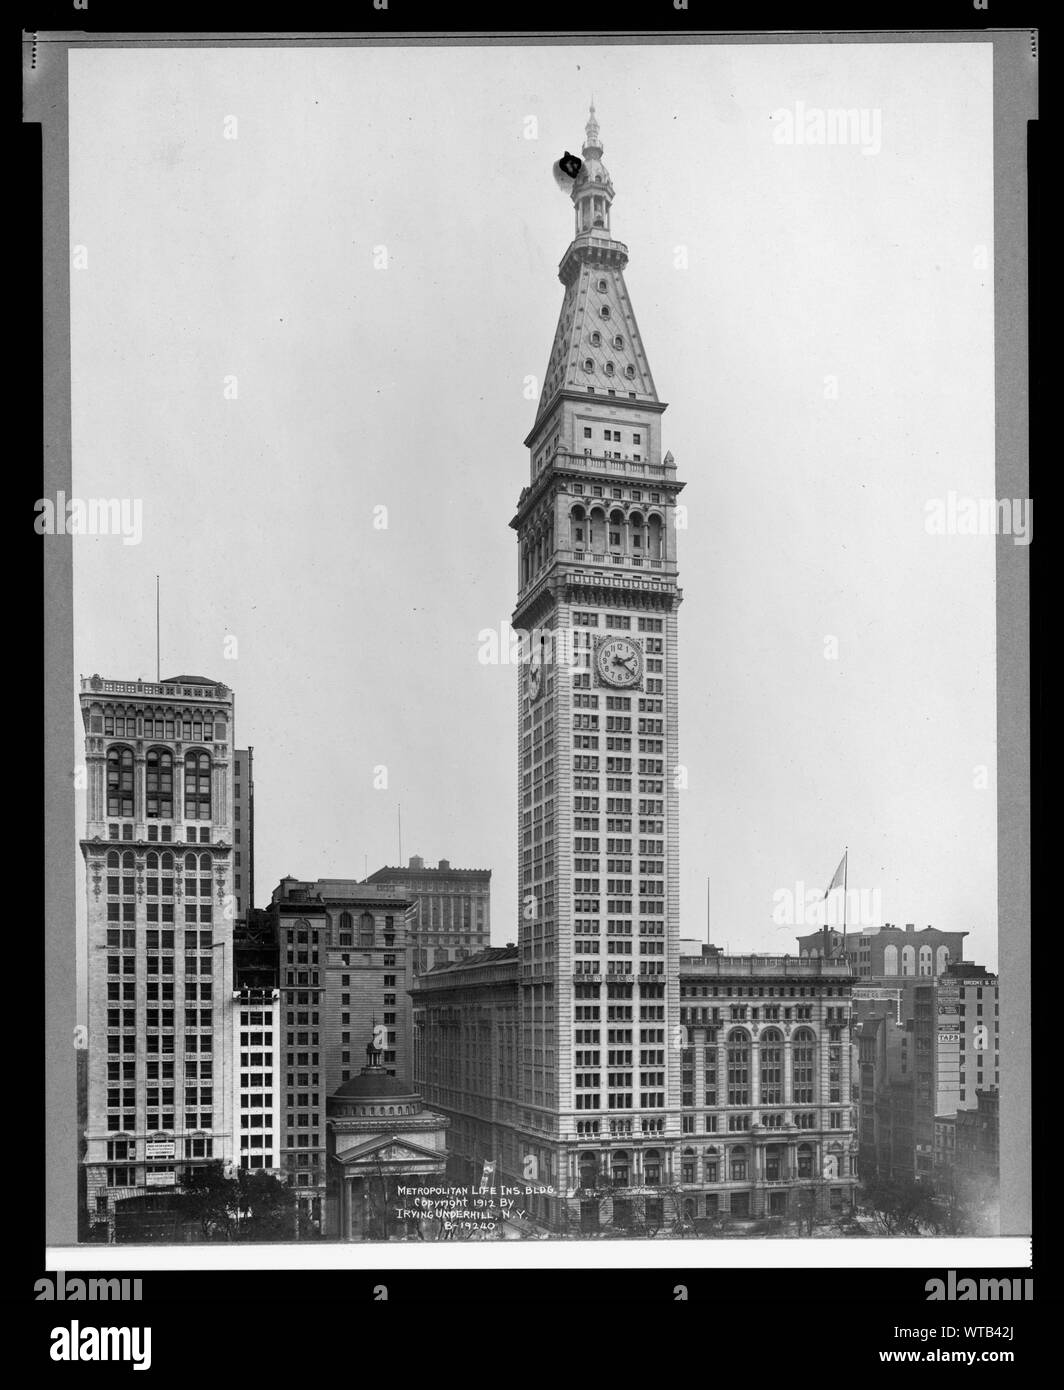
<point>840,876</point>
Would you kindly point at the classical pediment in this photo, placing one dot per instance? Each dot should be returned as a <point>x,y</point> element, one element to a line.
<point>389,1150</point>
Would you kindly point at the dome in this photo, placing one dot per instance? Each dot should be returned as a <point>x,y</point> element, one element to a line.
<point>374,1085</point>
<point>593,171</point>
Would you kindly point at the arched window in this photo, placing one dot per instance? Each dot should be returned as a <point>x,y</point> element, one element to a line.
<point>805,1160</point>
<point>113,861</point>
<point>925,960</point>
<point>655,538</point>
<point>738,1163</point>
<point>190,863</point>
<point>128,860</point>
<point>619,1168</point>
<point>771,1057</point>
<point>890,960</point>
<point>365,929</point>
<point>803,1084</point>
<point>577,528</point>
<point>908,960</point>
<point>159,784</point>
<point>168,863</point>
<point>738,1067</point>
<point>616,536</point>
<point>152,863</point>
<point>598,529</point>
<point>120,782</point>
<point>197,786</point>
<point>652,1167</point>
<point>206,863</point>
<point>636,530</point>
<point>941,959</point>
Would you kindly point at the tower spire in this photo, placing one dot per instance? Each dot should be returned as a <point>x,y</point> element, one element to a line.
<point>592,139</point>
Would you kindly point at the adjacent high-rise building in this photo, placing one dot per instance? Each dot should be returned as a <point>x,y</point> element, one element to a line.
<point>452,908</point>
<point>344,967</point>
<point>922,1059</point>
<point>766,1127</point>
<point>158,852</point>
<point>598,838</point>
<point>244,830</point>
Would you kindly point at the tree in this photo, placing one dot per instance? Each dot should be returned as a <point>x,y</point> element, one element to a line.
<point>249,1206</point>
<point>264,1205</point>
<point>902,1206</point>
<point>208,1196</point>
<point>807,1210</point>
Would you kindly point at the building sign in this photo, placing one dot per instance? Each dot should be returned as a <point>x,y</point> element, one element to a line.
<point>872,993</point>
<point>164,1178</point>
<point>160,1148</point>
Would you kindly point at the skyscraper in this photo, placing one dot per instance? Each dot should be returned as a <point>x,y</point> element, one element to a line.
<point>597,760</point>
<point>158,859</point>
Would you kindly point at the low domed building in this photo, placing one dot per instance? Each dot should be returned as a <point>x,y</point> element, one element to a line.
<point>379,1138</point>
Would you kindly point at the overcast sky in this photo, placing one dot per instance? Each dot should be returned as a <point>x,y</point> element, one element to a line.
<point>358,387</point>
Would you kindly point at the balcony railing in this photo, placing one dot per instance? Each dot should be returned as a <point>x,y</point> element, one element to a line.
<point>713,966</point>
<point>599,463</point>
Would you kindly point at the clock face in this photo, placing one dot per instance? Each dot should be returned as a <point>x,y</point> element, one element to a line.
<point>619,661</point>
<point>535,678</point>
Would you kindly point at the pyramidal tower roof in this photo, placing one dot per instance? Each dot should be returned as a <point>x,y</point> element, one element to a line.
<point>597,342</point>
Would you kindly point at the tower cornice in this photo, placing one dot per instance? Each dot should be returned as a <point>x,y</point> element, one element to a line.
<point>585,468</point>
<point>591,248</point>
<point>565,393</point>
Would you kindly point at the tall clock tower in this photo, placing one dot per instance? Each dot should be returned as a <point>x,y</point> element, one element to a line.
<point>598,835</point>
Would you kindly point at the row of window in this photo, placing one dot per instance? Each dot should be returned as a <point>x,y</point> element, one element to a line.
<point>165,833</point>
<point>166,861</point>
<point>158,784</point>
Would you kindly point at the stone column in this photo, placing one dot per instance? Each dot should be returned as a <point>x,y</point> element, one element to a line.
<point>139,793</point>
<point>788,1073</point>
<point>179,787</point>
<point>96,780</point>
<point>755,1072</point>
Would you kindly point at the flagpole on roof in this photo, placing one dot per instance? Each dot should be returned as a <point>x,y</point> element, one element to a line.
<point>845,875</point>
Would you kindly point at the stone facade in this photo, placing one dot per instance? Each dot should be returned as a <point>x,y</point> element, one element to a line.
<point>598,835</point>
<point>158,856</point>
<point>344,970</point>
<point>382,1145</point>
<point>452,909</point>
<point>765,1126</point>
